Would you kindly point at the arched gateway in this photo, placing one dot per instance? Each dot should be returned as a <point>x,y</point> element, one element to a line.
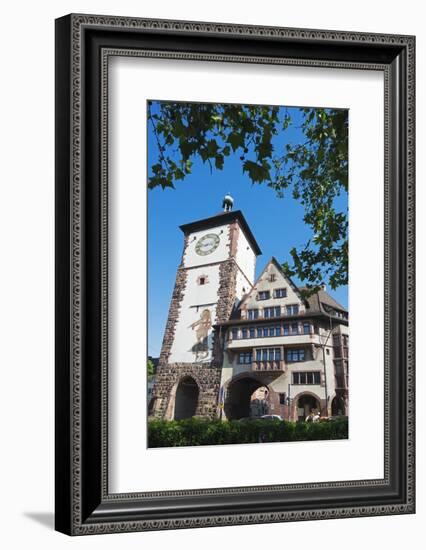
<point>186,399</point>
<point>306,404</point>
<point>238,401</point>
<point>338,406</point>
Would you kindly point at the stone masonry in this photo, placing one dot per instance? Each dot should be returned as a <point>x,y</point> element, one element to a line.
<point>168,377</point>
<point>177,297</point>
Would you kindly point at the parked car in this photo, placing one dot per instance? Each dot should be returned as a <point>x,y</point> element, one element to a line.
<point>272,417</point>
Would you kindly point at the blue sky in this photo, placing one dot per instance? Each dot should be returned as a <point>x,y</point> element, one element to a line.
<point>277,224</point>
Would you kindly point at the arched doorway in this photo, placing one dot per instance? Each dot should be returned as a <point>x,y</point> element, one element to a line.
<point>259,402</point>
<point>238,402</point>
<point>186,399</point>
<point>151,405</point>
<point>305,405</point>
<point>337,406</point>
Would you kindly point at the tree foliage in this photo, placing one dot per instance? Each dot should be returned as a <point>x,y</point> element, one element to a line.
<point>151,368</point>
<point>313,170</point>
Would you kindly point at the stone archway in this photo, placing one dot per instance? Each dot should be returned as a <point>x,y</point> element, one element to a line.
<point>259,402</point>
<point>239,395</point>
<point>305,403</point>
<point>151,406</point>
<point>186,398</point>
<point>338,406</point>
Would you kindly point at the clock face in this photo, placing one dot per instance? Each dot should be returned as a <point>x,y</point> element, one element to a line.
<point>207,244</point>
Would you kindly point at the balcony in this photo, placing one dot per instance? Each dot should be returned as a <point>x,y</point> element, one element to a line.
<point>291,339</point>
<point>268,366</point>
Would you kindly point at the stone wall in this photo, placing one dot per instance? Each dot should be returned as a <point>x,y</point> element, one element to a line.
<point>207,378</point>
<point>172,319</point>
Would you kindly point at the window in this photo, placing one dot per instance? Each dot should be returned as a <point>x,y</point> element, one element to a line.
<point>264,295</point>
<point>280,293</point>
<point>286,330</point>
<point>294,328</point>
<point>268,354</point>
<point>244,333</point>
<point>306,328</point>
<point>252,313</point>
<point>252,333</point>
<point>259,332</point>
<point>292,309</point>
<point>307,377</point>
<point>295,355</point>
<point>272,277</point>
<point>244,358</point>
<point>272,312</point>
<point>202,279</point>
<point>278,331</point>
<point>282,398</point>
<point>235,334</point>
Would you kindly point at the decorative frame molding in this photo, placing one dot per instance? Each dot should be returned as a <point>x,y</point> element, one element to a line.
<point>84,43</point>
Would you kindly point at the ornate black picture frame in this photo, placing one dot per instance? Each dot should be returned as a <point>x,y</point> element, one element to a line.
<point>83,45</point>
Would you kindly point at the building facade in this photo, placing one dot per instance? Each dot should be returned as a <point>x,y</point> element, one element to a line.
<point>236,347</point>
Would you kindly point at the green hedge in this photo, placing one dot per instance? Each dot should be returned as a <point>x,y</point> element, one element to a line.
<point>197,431</point>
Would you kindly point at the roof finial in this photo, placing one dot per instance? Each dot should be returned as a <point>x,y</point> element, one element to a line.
<point>228,203</point>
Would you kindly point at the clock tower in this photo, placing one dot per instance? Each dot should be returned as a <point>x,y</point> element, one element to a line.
<point>217,268</point>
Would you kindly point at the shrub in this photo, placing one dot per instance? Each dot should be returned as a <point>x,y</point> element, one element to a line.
<point>199,431</point>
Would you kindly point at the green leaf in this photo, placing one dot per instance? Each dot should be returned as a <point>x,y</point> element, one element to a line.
<point>236,140</point>
<point>219,162</point>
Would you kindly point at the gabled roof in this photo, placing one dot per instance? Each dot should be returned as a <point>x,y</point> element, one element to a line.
<point>287,277</point>
<point>275,262</point>
<point>221,219</point>
<point>317,301</point>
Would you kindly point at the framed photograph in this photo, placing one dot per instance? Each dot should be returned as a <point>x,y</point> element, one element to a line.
<point>234,228</point>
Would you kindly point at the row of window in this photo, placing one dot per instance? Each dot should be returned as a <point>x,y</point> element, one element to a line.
<point>340,339</point>
<point>338,353</point>
<point>274,311</point>
<point>340,343</point>
<point>335,312</point>
<point>271,354</point>
<point>266,294</point>
<point>276,330</point>
<point>306,377</point>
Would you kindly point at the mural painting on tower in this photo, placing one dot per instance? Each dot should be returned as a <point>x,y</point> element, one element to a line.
<point>248,323</point>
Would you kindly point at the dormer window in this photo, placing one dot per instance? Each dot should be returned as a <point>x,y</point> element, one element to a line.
<point>280,293</point>
<point>264,295</point>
